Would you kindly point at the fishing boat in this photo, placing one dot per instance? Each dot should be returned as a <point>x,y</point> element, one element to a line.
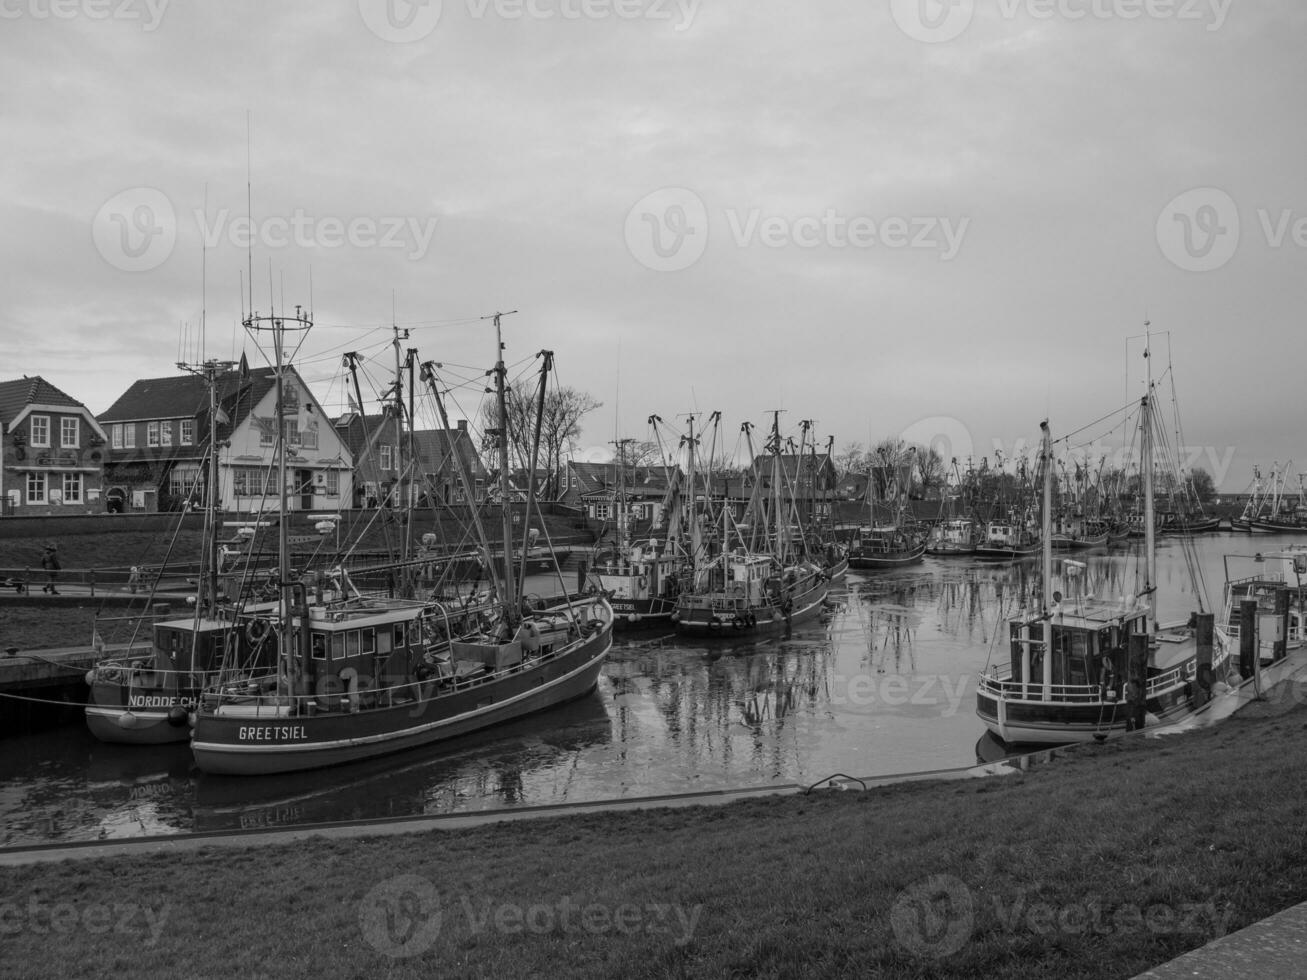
<point>742,589</point>
<point>1082,668</point>
<point>1008,539</point>
<point>953,538</point>
<point>642,577</point>
<point>147,700</point>
<point>364,675</point>
<point>889,540</point>
<point>1274,583</point>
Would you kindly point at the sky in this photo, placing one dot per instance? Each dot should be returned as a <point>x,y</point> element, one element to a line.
<point>942,219</point>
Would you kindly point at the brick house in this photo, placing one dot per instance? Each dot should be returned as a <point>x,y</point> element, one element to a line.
<point>375,447</point>
<point>159,440</point>
<point>53,450</point>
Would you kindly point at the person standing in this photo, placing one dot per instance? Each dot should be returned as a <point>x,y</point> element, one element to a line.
<point>50,562</point>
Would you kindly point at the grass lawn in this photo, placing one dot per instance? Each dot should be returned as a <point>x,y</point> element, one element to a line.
<point>1111,860</point>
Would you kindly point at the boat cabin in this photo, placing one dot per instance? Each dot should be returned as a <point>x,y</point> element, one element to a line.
<point>1090,641</point>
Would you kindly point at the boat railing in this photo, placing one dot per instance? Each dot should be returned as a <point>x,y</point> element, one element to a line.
<point>998,684</point>
<point>259,695</point>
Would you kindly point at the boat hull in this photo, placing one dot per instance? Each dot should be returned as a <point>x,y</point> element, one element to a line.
<point>710,620</point>
<point>890,559</point>
<point>281,742</point>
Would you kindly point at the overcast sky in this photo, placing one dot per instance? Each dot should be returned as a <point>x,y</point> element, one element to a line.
<point>944,219</point>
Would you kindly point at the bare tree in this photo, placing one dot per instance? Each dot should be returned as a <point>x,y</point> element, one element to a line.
<point>560,425</point>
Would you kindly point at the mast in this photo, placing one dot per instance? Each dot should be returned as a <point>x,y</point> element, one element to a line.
<point>548,356</point>
<point>501,400</point>
<point>279,326</point>
<point>1146,445</point>
<point>1047,543</point>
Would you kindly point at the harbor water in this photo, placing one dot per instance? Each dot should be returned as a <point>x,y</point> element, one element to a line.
<point>883,683</point>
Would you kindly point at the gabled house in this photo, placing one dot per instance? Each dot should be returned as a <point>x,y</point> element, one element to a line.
<point>379,454</point>
<point>159,439</point>
<point>53,450</point>
<point>593,487</point>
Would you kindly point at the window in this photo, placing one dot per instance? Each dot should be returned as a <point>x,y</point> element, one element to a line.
<point>292,432</point>
<point>184,480</point>
<point>266,433</point>
<point>338,646</point>
<point>290,398</point>
<point>36,488</point>
<point>152,433</point>
<point>369,642</point>
<point>116,435</point>
<point>165,433</point>
<point>72,488</point>
<point>188,432</point>
<point>352,643</point>
<point>601,512</point>
<point>69,431</point>
<point>41,431</point>
<point>129,435</point>
<point>386,457</point>
<point>333,483</point>
<point>309,437</point>
<point>319,645</point>
<point>252,481</point>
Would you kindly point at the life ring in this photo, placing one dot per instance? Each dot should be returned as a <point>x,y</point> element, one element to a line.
<point>257,631</point>
<point>739,623</point>
<point>109,675</point>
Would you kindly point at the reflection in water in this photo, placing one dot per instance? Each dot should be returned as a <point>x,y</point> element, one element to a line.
<point>883,683</point>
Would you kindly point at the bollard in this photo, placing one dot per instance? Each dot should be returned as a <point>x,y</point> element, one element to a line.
<point>1247,637</point>
<point>1281,648</point>
<point>1136,682</point>
<point>1205,637</point>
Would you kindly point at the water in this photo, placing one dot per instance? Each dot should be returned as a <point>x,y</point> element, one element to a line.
<point>883,684</point>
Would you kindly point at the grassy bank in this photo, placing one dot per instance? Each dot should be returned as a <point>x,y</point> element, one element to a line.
<point>1102,864</point>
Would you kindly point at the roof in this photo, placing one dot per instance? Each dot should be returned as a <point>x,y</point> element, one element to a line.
<point>18,394</point>
<point>606,477</point>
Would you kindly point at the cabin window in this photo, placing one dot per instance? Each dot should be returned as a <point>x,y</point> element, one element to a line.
<point>383,641</point>
<point>319,641</point>
<point>399,635</point>
<point>352,643</point>
<point>338,646</point>
<point>367,641</point>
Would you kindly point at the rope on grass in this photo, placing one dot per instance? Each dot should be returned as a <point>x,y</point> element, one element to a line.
<point>831,779</point>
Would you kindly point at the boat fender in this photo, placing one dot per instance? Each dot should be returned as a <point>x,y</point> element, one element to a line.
<point>739,623</point>
<point>632,618</point>
<point>643,581</point>
<point>127,720</point>
<point>178,716</point>
<point>715,623</point>
<point>257,630</point>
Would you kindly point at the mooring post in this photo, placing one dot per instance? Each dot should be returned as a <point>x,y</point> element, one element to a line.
<point>1204,636</point>
<point>1281,648</point>
<point>1136,677</point>
<point>1247,637</point>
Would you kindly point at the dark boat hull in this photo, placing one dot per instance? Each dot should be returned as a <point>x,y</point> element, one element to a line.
<point>890,559</point>
<point>273,743</point>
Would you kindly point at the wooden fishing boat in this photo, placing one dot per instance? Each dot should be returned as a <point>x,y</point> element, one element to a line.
<point>1081,668</point>
<point>367,675</point>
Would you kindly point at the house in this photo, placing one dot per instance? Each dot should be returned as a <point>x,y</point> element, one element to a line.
<point>375,445</point>
<point>54,450</point>
<point>593,488</point>
<point>159,439</point>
